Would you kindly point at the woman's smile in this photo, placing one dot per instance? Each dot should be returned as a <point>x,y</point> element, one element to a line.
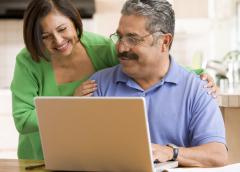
<point>63,47</point>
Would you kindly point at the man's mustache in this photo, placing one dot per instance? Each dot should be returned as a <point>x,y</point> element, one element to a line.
<point>127,56</point>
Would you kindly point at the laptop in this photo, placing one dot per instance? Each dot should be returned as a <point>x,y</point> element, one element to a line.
<point>96,134</point>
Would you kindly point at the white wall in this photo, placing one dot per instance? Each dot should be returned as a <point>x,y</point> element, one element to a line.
<point>11,42</point>
<point>8,133</point>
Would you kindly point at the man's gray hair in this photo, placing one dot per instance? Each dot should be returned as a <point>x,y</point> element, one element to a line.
<point>159,13</point>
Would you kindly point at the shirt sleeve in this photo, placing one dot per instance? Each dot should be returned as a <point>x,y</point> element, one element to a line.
<point>206,124</point>
<point>24,88</point>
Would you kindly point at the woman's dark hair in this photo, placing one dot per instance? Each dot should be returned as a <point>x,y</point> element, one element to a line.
<point>36,10</point>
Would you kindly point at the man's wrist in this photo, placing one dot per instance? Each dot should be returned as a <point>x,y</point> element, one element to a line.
<point>175,151</point>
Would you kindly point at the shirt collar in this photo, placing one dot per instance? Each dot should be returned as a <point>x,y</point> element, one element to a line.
<point>172,75</point>
<point>121,77</point>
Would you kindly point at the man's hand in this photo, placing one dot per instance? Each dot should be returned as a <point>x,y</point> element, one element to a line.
<point>161,153</point>
<point>210,85</point>
<point>86,88</point>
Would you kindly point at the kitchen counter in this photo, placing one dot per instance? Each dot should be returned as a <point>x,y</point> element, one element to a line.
<point>229,102</point>
<point>229,98</point>
<point>15,165</point>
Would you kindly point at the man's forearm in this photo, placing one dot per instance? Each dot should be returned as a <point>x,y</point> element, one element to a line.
<point>207,155</point>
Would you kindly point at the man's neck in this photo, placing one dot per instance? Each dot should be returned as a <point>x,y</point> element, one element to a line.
<point>155,76</point>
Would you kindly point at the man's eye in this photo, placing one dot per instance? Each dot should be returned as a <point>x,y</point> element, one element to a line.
<point>133,40</point>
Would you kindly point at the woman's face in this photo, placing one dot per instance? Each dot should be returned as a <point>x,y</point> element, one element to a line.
<point>59,34</point>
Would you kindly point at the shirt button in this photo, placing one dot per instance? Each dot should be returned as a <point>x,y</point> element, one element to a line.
<point>142,94</point>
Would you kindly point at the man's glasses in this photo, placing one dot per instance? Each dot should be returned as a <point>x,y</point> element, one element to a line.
<point>130,41</point>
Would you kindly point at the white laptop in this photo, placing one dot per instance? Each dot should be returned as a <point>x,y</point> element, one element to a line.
<point>96,134</point>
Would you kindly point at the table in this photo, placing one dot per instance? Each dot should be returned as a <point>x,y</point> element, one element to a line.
<point>229,102</point>
<point>14,165</point>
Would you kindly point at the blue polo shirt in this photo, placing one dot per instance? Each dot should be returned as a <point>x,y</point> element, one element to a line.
<point>179,109</point>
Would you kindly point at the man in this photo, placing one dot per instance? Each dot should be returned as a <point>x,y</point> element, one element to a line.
<point>185,122</point>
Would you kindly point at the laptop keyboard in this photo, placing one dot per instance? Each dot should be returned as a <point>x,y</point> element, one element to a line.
<point>159,167</point>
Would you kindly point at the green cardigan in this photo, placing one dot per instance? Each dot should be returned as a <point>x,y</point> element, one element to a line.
<point>33,79</point>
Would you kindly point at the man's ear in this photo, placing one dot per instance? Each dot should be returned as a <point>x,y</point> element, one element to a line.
<point>166,42</point>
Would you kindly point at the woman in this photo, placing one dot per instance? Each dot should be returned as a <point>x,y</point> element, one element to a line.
<point>54,63</point>
<point>57,59</point>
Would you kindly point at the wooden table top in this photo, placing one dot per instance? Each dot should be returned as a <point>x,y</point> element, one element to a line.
<point>14,165</point>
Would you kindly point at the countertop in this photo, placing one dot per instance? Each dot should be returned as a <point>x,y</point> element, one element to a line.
<point>229,98</point>
<point>14,165</point>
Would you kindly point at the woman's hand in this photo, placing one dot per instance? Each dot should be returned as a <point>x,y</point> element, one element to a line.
<point>86,88</point>
<point>211,84</point>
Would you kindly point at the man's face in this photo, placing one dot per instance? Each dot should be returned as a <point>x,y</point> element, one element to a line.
<point>138,53</point>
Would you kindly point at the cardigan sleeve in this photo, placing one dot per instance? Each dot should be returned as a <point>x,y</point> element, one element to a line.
<point>24,88</point>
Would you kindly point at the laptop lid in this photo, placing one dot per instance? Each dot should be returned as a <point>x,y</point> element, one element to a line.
<point>94,133</point>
